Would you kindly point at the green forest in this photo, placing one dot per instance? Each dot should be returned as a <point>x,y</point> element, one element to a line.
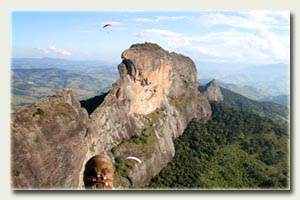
<point>233,150</point>
<point>276,112</point>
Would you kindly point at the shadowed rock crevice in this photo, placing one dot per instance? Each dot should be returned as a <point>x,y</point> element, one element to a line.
<point>91,104</point>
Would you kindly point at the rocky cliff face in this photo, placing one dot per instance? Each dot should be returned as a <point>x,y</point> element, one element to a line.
<point>150,104</point>
<point>212,91</point>
<point>48,145</point>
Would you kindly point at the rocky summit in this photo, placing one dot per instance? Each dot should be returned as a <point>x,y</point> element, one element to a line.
<point>212,91</point>
<point>150,104</point>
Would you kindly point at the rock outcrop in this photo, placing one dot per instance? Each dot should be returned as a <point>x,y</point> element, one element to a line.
<point>150,104</point>
<point>212,91</point>
<point>48,145</point>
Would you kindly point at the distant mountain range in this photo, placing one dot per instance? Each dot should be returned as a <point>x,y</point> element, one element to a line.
<point>30,85</point>
<point>274,111</point>
<point>35,78</point>
<point>281,99</point>
<point>255,82</point>
<point>253,93</point>
<point>75,65</point>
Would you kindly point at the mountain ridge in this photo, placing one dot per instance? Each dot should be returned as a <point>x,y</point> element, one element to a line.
<point>272,110</point>
<point>155,99</point>
<point>152,102</point>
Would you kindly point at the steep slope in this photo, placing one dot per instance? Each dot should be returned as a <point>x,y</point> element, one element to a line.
<point>150,104</point>
<point>274,111</point>
<point>48,143</point>
<point>212,91</point>
<point>257,78</point>
<point>155,98</point>
<point>233,150</point>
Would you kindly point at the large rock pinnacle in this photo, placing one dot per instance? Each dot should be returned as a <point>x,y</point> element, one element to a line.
<point>150,104</point>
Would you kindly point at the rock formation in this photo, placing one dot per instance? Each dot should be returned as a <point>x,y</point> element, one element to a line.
<point>150,104</point>
<point>48,143</point>
<point>212,91</point>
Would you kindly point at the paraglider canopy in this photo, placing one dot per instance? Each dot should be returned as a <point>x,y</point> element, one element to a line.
<point>106,25</point>
<point>134,158</point>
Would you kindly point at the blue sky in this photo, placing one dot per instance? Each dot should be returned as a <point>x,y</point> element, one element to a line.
<point>252,37</point>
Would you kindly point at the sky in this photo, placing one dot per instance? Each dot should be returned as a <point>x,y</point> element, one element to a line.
<point>252,37</point>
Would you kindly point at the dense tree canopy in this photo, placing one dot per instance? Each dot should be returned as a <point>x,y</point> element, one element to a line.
<point>233,150</point>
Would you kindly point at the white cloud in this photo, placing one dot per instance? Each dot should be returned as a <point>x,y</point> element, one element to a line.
<point>171,17</point>
<point>158,19</point>
<point>249,37</point>
<point>178,42</point>
<point>160,32</point>
<point>247,47</point>
<point>142,20</point>
<point>205,51</point>
<point>53,50</point>
<point>259,19</point>
<point>279,19</point>
<point>233,21</point>
<point>228,46</point>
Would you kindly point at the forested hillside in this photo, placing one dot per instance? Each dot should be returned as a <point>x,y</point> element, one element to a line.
<point>233,150</point>
<point>274,111</point>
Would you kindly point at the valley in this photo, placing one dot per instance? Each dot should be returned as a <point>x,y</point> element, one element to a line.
<point>33,79</point>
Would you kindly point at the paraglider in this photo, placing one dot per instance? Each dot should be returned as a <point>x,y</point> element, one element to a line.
<point>134,158</point>
<point>106,25</point>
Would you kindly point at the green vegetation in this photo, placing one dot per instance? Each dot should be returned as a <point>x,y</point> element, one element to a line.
<point>139,145</point>
<point>274,111</point>
<point>30,85</point>
<point>156,115</point>
<point>179,103</point>
<point>142,144</point>
<point>147,45</point>
<point>41,115</point>
<point>92,147</point>
<point>121,171</point>
<point>233,150</point>
<point>39,112</point>
<point>120,167</point>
